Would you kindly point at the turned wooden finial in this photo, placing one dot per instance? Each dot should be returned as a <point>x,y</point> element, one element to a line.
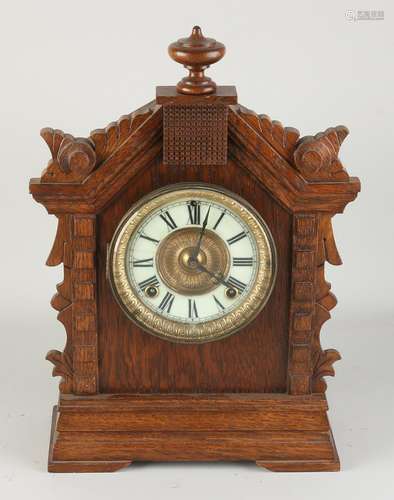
<point>196,53</point>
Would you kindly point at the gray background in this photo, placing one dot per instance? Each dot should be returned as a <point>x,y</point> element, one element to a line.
<point>80,65</point>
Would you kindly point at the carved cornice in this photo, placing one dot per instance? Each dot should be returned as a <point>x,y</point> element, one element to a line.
<point>316,157</point>
<point>265,148</point>
<point>73,159</point>
<point>302,174</point>
<point>106,141</point>
<point>120,163</point>
<point>282,139</point>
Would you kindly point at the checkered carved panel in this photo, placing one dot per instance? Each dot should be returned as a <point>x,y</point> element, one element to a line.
<point>195,134</point>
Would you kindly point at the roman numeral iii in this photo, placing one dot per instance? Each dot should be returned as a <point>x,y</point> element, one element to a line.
<point>242,261</point>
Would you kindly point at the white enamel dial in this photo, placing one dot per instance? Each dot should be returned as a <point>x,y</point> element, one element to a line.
<point>142,264</point>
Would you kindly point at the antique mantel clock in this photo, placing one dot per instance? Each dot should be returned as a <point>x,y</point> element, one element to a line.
<point>193,234</point>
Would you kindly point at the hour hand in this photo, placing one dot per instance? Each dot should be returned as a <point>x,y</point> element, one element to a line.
<point>219,279</point>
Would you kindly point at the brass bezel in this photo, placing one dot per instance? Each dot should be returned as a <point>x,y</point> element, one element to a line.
<point>212,330</point>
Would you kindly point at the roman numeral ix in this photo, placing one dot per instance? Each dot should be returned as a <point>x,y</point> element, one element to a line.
<point>143,262</point>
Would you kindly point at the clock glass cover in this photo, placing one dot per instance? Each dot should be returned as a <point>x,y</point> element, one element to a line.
<point>192,263</point>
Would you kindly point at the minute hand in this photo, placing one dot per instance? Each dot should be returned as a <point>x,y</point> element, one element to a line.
<point>204,225</point>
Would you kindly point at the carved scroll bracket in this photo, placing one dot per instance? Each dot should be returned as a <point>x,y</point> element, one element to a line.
<point>62,302</point>
<point>62,368</point>
<point>323,360</point>
<point>72,158</point>
<point>317,157</point>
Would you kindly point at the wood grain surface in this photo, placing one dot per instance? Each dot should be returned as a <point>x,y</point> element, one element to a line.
<point>105,433</point>
<point>254,360</point>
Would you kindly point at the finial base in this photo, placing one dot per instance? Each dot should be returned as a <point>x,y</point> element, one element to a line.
<point>196,86</point>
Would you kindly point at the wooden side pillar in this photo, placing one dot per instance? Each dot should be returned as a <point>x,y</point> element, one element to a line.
<point>84,336</point>
<point>302,307</point>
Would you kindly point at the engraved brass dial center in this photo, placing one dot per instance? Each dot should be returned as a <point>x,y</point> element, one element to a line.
<point>178,267</point>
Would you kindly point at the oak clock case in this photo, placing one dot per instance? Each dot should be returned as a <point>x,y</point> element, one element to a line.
<point>192,263</point>
<point>191,336</point>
